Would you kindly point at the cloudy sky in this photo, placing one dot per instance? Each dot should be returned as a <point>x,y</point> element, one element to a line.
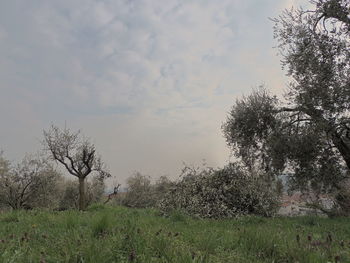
<point>149,81</point>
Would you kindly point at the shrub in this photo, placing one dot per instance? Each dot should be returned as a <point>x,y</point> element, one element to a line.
<point>220,193</point>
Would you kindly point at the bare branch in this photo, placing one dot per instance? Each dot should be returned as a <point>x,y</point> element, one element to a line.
<point>115,192</point>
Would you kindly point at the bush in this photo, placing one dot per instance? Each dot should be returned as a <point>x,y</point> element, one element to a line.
<point>220,193</point>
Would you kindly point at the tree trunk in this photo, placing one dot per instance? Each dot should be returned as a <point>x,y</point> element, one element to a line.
<point>342,147</point>
<point>81,193</point>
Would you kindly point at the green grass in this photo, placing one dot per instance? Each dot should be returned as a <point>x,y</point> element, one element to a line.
<point>117,234</point>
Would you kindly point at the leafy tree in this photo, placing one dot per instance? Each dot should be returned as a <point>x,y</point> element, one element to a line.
<point>161,187</point>
<point>308,132</point>
<point>31,183</point>
<point>77,155</point>
<point>139,191</point>
<point>4,165</point>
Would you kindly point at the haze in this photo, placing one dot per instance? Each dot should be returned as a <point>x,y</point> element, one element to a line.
<point>150,82</point>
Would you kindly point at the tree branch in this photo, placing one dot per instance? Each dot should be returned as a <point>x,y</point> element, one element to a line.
<point>66,165</point>
<point>115,192</point>
<point>286,109</point>
<point>72,164</point>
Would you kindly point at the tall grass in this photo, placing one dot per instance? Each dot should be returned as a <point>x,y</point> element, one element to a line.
<point>117,234</point>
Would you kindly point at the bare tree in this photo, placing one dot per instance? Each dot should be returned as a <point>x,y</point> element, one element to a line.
<point>76,154</point>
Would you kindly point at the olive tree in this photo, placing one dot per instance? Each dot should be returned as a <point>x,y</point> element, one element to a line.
<point>142,192</point>
<point>77,155</point>
<point>139,191</point>
<point>307,133</point>
<point>31,183</point>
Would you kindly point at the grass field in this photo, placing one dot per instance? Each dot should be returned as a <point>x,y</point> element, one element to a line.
<point>117,234</point>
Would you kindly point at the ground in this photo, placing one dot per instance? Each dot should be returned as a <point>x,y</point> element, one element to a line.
<point>117,234</point>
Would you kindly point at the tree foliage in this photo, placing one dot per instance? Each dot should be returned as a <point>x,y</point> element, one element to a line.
<point>220,193</point>
<point>308,132</point>
<point>141,192</point>
<point>31,183</point>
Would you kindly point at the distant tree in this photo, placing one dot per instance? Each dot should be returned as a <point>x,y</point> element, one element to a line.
<point>31,183</point>
<point>307,133</point>
<point>139,191</point>
<point>4,164</point>
<point>77,155</point>
<point>161,187</point>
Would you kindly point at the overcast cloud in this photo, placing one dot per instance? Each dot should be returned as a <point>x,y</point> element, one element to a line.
<point>149,81</point>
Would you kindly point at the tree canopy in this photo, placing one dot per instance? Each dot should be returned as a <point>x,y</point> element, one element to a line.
<point>306,133</point>
<point>30,183</point>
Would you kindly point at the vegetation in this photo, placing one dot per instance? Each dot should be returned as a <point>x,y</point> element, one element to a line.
<point>35,183</point>
<point>139,192</point>
<point>142,193</point>
<point>30,183</point>
<point>77,155</point>
<point>69,192</point>
<point>219,193</point>
<point>307,133</point>
<point>106,234</point>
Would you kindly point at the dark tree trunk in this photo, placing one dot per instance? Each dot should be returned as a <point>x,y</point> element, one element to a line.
<point>82,201</point>
<point>343,148</point>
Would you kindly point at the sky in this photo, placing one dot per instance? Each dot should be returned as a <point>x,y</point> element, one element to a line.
<point>150,82</point>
